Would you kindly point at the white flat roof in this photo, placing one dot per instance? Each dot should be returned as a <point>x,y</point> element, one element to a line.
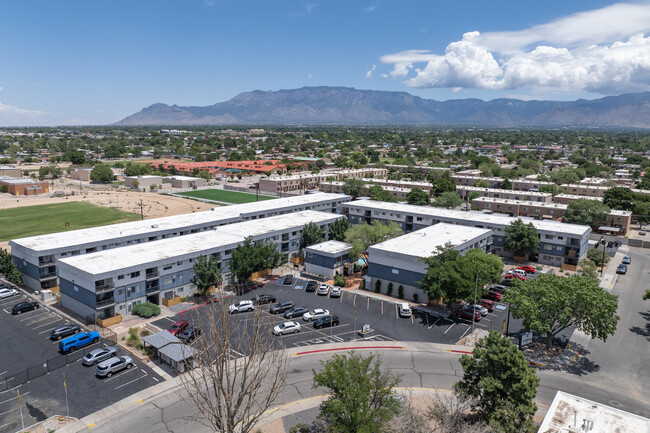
<point>425,242</point>
<point>95,235</point>
<point>478,217</point>
<point>330,247</point>
<point>262,226</point>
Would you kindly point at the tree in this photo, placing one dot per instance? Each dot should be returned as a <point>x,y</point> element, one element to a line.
<point>380,194</point>
<point>448,200</point>
<point>550,304</point>
<point>8,268</point>
<point>207,274</point>
<point>361,236</point>
<point>553,189</point>
<point>596,256</point>
<point>452,276</point>
<point>442,185</point>
<point>586,212</point>
<point>418,197</point>
<point>338,228</point>
<point>473,195</point>
<point>101,173</point>
<point>588,269</point>
<point>233,393</point>
<point>353,187</point>
<point>498,377</point>
<point>642,212</point>
<point>248,259</point>
<point>481,183</point>
<point>311,234</point>
<point>646,295</point>
<point>506,184</point>
<point>362,399</point>
<point>521,239</point>
<point>620,198</point>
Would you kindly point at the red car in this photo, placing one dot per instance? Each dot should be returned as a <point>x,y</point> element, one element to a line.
<point>487,304</point>
<point>178,327</point>
<point>467,315</point>
<point>493,296</point>
<point>529,269</point>
<point>521,277</point>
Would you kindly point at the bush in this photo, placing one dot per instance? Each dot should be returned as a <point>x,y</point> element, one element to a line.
<point>146,310</point>
<point>596,256</point>
<point>377,286</point>
<point>415,297</point>
<point>389,292</point>
<point>339,281</point>
<point>400,292</point>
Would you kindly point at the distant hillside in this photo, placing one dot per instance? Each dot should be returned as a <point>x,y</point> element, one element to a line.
<point>348,106</point>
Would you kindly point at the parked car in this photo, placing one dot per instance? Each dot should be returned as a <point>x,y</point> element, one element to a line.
<point>498,288</point>
<point>467,315</point>
<point>326,322</point>
<point>404,310</point>
<point>517,276</point>
<point>622,269</point>
<point>476,307</point>
<point>493,296</point>
<point>77,341</point>
<point>281,307</point>
<point>288,280</point>
<point>99,355</point>
<point>23,307</point>
<point>6,292</point>
<point>189,334</point>
<point>264,299</point>
<point>323,289</point>
<point>294,312</point>
<point>311,286</point>
<point>517,271</point>
<point>113,365</point>
<point>64,331</point>
<point>241,307</point>
<point>287,328</point>
<point>487,304</point>
<point>315,314</point>
<point>178,327</point>
<point>335,292</point>
<point>527,268</point>
<point>627,260</point>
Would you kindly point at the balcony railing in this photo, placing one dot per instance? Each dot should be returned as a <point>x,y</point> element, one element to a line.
<point>105,302</point>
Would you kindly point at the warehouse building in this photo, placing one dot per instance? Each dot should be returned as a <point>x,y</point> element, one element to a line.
<point>106,283</point>
<point>398,261</point>
<point>560,244</point>
<point>35,256</point>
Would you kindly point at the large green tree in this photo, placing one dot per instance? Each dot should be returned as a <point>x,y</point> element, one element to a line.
<point>498,377</point>
<point>448,200</point>
<point>521,238</point>
<point>207,273</point>
<point>361,236</point>
<point>353,187</point>
<point>362,398</point>
<point>585,211</point>
<point>442,185</point>
<point>380,194</point>
<point>549,304</point>
<point>481,183</point>
<point>248,258</point>
<point>101,173</point>
<point>418,197</point>
<point>8,268</point>
<point>453,276</point>
<point>338,228</point>
<point>311,235</point>
<point>620,198</point>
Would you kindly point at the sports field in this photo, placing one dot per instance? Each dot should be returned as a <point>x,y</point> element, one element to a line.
<point>224,196</point>
<point>49,218</point>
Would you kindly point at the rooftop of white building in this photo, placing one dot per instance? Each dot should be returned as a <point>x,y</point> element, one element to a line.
<point>330,247</point>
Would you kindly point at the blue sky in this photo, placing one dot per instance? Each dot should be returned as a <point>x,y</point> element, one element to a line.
<point>95,62</point>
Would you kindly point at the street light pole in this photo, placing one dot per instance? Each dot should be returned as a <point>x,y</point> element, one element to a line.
<point>474,305</point>
<point>602,263</point>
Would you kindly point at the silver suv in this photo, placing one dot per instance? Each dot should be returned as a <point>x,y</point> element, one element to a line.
<point>241,306</point>
<point>113,365</point>
<point>99,355</point>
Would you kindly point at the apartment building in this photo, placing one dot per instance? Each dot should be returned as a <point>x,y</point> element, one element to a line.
<point>561,244</point>
<point>469,180</point>
<point>106,283</point>
<point>529,184</point>
<point>35,256</point>
<point>311,181</point>
<point>542,197</point>
<point>337,187</point>
<point>414,168</point>
<point>568,198</point>
<point>585,190</point>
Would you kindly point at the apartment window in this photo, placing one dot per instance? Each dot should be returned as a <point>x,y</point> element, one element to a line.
<point>135,274</point>
<point>167,267</point>
<point>395,271</point>
<point>179,263</point>
<point>548,247</point>
<point>548,236</point>
<point>132,289</point>
<point>120,277</point>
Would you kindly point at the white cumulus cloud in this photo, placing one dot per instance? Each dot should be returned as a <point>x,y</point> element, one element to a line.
<point>370,71</point>
<point>604,51</point>
<point>14,116</point>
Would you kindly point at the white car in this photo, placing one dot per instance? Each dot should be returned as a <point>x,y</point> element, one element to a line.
<point>315,314</point>
<point>335,292</point>
<point>478,308</point>
<point>323,289</point>
<point>404,310</point>
<point>5,293</point>
<point>241,306</point>
<point>287,328</point>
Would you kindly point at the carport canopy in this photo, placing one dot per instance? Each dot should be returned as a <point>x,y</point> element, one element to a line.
<point>609,229</point>
<point>178,352</point>
<point>161,339</point>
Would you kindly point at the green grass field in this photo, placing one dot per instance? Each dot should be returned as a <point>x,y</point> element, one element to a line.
<point>50,218</point>
<point>221,195</point>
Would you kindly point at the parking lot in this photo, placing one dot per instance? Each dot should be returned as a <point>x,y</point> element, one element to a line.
<point>354,310</point>
<point>30,363</point>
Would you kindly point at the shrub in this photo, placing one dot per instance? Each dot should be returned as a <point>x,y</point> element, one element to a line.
<point>132,340</point>
<point>377,286</point>
<point>339,281</point>
<point>390,289</point>
<point>400,292</point>
<point>146,310</point>
<point>596,256</point>
<point>145,332</point>
<point>415,297</point>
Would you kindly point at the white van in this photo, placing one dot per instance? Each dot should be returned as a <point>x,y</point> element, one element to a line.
<point>517,272</point>
<point>404,310</point>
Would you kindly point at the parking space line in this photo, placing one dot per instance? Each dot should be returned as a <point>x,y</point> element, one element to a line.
<point>131,381</point>
<point>123,373</point>
<point>397,313</point>
<point>48,323</point>
<point>449,329</point>
<point>11,300</point>
<point>13,398</point>
<point>38,313</point>
<point>368,304</point>
<point>40,320</point>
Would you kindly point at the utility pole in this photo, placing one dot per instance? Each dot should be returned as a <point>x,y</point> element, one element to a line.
<point>602,263</point>
<point>141,211</point>
<point>474,305</point>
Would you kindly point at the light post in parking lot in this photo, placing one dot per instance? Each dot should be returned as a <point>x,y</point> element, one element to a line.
<point>602,263</point>
<point>474,306</point>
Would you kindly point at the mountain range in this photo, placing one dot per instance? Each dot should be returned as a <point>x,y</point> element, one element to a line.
<point>348,106</point>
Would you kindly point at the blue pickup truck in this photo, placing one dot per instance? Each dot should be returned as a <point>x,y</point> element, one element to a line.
<point>82,339</point>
